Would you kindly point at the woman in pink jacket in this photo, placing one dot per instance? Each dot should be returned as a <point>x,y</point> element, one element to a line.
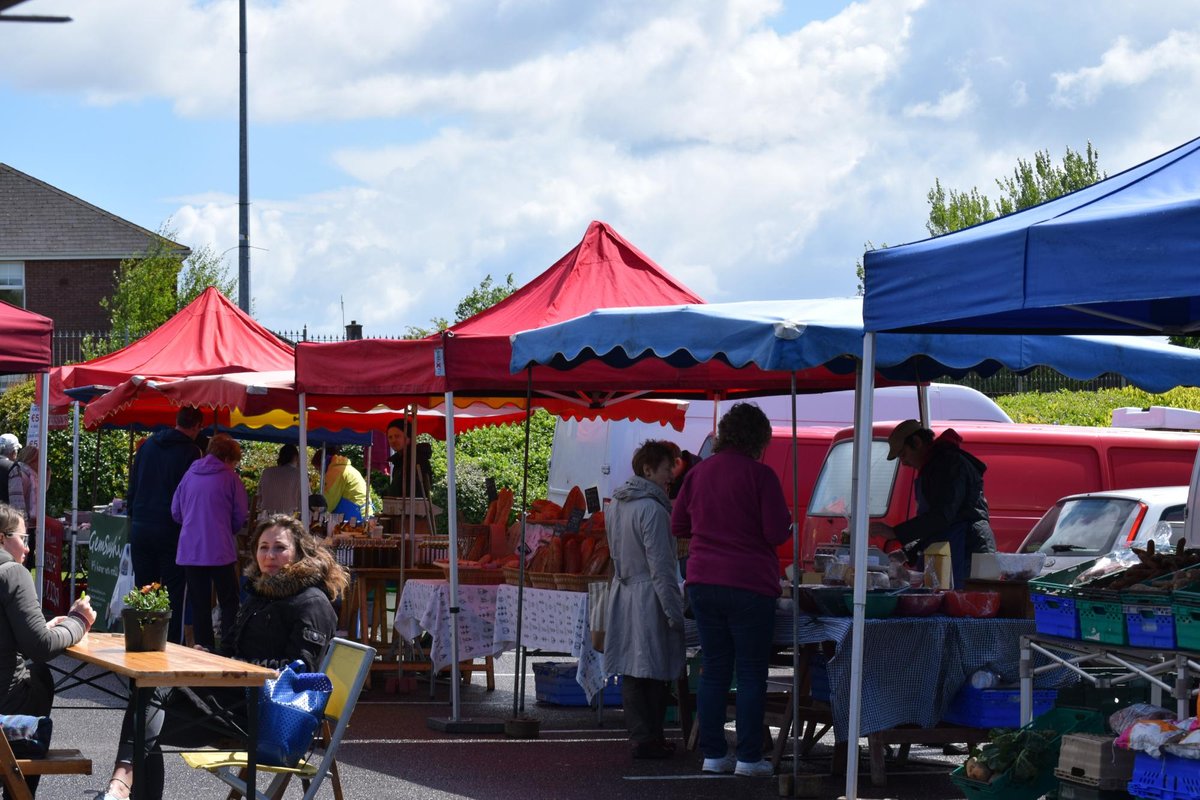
<point>211,507</point>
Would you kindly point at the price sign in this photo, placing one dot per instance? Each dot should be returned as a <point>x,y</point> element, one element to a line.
<point>592,496</point>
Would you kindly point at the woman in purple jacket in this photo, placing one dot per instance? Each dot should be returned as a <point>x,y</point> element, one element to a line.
<point>732,506</point>
<point>210,506</point>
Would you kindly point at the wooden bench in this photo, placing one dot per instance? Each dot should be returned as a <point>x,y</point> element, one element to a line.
<point>13,770</point>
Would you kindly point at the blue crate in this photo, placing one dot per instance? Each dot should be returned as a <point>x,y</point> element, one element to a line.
<point>1055,615</point>
<point>554,682</point>
<point>1150,626</point>
<point>994,708</point>
<point>1166,778</point>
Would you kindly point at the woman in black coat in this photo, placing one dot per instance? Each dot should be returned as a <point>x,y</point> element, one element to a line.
<point>289,617</point>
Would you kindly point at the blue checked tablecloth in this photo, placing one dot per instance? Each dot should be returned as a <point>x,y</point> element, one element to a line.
<point>912,666</point>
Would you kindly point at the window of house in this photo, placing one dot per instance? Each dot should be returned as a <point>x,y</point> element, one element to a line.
<point>12,282</point>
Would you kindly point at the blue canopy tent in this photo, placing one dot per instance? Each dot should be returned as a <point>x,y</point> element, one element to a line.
<point>1122,255</point>
<point>824,338</point>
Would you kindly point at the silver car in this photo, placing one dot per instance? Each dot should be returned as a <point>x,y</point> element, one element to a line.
<point>1081,527</point>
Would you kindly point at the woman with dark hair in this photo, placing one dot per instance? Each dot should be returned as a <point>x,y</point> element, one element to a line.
<point>279,486</point>
<point>644,629</point>
<point>732,506</point>
<point>210,506</point>
<point>27,640</point>
<point>289,616</point>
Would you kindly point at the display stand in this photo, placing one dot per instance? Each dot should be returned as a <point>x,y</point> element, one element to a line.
<point>1170,671</point>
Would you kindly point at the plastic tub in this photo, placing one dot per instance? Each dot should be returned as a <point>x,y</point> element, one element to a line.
<point>971,604</point>
<point>878,604</point>
<point>918,604</point>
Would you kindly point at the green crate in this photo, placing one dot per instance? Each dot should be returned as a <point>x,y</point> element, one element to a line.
<point>1104,700</point>
<point>1187,623</point>
<point>1062,581</point>
<point>1001,787</point>
<point>1102,621</point>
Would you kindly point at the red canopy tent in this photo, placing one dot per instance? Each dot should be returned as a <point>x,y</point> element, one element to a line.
<point>210,336</point>
<point>471,358</point>
<point>25,345</point>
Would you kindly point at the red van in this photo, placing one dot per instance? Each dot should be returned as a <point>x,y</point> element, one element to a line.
<point>1029,468</point>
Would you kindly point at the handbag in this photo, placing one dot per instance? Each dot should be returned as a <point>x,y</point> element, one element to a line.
<point>289,710</point>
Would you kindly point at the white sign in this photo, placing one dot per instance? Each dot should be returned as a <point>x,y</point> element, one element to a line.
<point>439,362</point>
<point>35,418</point>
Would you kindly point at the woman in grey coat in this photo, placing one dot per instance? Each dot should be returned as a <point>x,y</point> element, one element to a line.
<point>644,636</point>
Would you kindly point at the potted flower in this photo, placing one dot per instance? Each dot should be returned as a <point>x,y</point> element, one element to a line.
<point>145,616</point>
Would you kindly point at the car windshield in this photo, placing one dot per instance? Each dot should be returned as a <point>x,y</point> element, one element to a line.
<point>1082,526</point>
<point>831,494</point>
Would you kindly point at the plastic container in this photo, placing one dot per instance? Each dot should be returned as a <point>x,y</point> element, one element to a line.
<point>1102,621</point>
<point>829,601</point>
<point>1002,787</point>
<point>994,708</point>
<point>1104,700</point>
<point>1166,778</point>
<point>555,684</point>
<point>918,603</point>
<point>1081,791</point>
<point>1090,758</point>
<point>1055,615</point>
<point>971,604</point>
<point>1150,626</point>
<point>879,605</point>
<point>1187,625</point>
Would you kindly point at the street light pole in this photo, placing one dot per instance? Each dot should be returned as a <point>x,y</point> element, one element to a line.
<point>243,174</point>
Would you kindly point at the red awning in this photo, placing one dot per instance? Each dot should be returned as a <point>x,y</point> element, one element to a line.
<point>24,341</point>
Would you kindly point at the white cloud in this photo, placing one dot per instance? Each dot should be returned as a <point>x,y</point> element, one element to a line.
<point>1125,65</point>
<point>949,105</point>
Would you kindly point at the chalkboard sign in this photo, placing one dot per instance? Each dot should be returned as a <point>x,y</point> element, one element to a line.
<point>574,520</point>
<point>489,486</point>
<point>108,543</point>
<point>592,495</point>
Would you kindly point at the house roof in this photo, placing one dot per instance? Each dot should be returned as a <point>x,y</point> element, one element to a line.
<point>39,222</point>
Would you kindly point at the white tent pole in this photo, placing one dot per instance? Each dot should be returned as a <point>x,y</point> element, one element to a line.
<point>303,487</point>
<point>43,434</point>
<point>452,523</point>
<point>795,590</point>
<point>860,515</point>
<point>923,403</point>
<point>74,489</point>
<point>368,510</point>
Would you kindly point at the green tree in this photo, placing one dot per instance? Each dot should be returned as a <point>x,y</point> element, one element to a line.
<point>150,289</point>
<point>1029,185</point>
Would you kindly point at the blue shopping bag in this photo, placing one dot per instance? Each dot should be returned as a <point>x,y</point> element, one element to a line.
<point>289,710</point>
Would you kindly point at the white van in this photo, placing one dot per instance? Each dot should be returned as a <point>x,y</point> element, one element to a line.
<point>596,453</point>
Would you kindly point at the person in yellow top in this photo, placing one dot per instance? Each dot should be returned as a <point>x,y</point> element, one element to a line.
<point>345,488</point>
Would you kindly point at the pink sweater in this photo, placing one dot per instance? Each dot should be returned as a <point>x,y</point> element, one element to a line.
<point>734,509</point>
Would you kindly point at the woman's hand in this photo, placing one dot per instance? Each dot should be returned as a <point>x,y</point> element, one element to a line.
<point>82,608</point>
<point>200,647</point>
<point>882,529</point>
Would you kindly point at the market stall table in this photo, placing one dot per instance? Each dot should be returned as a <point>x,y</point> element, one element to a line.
<point>555,621</point>
<point>424,607</point>
<point>175,666</point>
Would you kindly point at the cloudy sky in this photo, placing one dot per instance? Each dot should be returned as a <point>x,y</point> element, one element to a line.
<point>401,150</point>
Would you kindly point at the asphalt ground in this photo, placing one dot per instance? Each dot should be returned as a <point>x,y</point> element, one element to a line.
<point>390,751</point>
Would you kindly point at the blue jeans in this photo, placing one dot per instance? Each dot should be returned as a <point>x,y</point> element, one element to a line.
<point>735,627</point>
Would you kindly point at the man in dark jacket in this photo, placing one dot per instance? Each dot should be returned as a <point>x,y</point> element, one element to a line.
<point>951,506</point>
<point>158,468</point>
<point>399,441</point>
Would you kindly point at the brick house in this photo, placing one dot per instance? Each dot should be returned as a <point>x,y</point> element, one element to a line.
<point>59,254</point>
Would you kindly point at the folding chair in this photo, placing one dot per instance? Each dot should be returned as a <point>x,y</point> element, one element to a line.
<point>13,770</point>
<point>347,664</point>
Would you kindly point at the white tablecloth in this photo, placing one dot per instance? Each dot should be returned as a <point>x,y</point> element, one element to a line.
<point>554,621</point>
<point>425,606</point>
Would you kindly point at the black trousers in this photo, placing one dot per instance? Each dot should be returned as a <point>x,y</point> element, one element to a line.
<point>645,701</point>
<point>200,584</point>
<point>153,555</point>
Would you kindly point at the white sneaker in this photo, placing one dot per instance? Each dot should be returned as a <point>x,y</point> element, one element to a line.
<point>754,769</point>
<point>720,766</point>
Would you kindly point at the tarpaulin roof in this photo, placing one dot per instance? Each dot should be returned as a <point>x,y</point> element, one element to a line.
<point>209,336</point>
<point>826,335</point>
<point>24,340</point>
<point>1120,256</point>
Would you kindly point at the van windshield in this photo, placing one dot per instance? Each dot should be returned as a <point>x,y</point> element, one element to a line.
<point>831,494</point>
<point>1082,526</point>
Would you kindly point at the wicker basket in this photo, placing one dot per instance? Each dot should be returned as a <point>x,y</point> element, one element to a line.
<point>473,574</point>
<point>571,582</point>
<point>512,576</point>
<point>541,580</point>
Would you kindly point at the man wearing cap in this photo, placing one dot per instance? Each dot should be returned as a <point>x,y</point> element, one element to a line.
<point>949,493</point>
